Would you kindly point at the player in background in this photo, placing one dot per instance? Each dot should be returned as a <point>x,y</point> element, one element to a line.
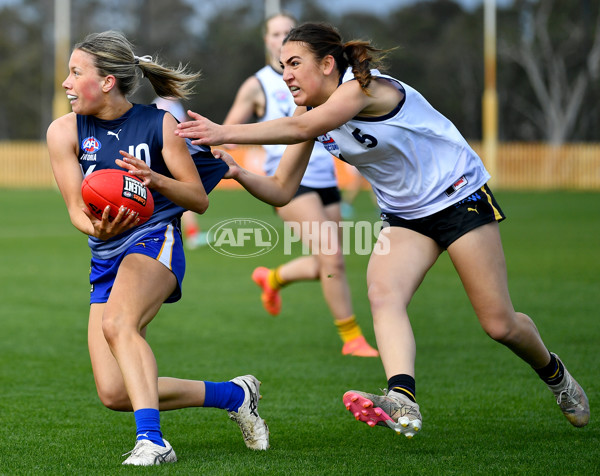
<point>315,204</point>
<point>355,186</point>
<point>192,235</point>
<point>134,269</point>
<point>431,188</point>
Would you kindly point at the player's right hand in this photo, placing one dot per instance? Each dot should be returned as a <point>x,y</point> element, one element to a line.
<point>201,130</point>
<point>106,228</point>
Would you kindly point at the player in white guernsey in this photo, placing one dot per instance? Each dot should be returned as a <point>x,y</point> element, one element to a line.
<point>317,200</point>
<point>431,188</point>
<point>135,268</point>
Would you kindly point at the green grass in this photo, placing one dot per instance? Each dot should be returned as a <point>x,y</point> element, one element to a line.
<point>484,411</point>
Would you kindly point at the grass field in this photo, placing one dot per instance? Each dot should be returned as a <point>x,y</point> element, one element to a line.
<point>484,411</point>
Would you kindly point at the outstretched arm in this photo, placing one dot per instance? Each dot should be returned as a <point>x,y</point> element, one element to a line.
<point>202,131</point>
<point>345,103</point>
<point>279,188</point>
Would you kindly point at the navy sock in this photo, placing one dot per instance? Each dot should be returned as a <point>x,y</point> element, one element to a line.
<point>404,384</point>
<point>147,421</point>
<point>225,395</point>
<point>552,373</point>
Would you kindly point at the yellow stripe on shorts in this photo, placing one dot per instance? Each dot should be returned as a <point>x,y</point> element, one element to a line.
<point>497,214</point>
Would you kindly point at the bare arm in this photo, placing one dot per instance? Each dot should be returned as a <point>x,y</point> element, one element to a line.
<point>279,188</point>
<point>346,102</point>
<point>185,188</point>
<point>249,101</point>
<point>62,147</point>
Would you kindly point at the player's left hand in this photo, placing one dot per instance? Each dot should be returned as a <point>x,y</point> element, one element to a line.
<point>137,167</point>
<point>234,168</point>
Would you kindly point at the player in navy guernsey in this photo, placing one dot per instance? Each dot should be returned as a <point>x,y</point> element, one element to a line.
<point>193,237</point>
<point>317,200</point>
<point>431,187</point>
<point>135,268</point>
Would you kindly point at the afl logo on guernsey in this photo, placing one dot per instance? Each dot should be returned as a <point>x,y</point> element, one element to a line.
<point>91,145</point>
<point>329,144</point>
<point>281,95</point>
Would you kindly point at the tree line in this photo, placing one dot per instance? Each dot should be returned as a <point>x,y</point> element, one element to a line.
<point>548,62</point>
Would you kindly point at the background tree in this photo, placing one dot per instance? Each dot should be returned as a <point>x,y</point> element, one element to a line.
<point>441,55</point>
<point>557,47</point>
<point>548,63</point>
<point>26,75</point>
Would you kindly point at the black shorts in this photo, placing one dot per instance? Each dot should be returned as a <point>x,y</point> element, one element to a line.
<point>448,225</point>
<point>328,195</point>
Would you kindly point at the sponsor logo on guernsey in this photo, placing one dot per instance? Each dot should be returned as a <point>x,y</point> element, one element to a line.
<point>88,158</point>
<point>328,143</point>
<point>281,95</point>
<point>134,190</point>
<point>116,134</point>
<point>283,103</point>
<point>460,183</point>
<point>91,145</point>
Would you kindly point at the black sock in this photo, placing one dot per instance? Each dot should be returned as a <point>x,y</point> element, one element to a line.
<point>552,373</point>
<point>404,384</point>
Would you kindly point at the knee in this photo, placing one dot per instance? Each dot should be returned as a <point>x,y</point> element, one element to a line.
<point>380,297</point>
<point>113,328</point>
<point>332,265</point>
<point>501,328</point>
<point>375,294</point>
<point>110,329</point>
<point>114,398</point>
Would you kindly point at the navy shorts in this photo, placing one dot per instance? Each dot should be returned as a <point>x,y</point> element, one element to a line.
<point>164,245</point>
<point>448,225</point>
<point>327,195</point>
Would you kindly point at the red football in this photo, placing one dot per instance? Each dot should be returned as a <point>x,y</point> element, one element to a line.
<point>116,188</point>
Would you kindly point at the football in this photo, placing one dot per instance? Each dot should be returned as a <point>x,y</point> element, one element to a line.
<point>118,189</point>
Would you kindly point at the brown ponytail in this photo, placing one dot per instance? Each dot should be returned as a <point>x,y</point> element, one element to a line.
<point>361,57</point>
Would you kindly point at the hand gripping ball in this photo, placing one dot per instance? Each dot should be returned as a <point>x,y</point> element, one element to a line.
<point>118,189</point>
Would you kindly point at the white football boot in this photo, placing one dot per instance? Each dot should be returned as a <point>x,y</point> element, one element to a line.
<point>146,453</point>
<point>254,428</point>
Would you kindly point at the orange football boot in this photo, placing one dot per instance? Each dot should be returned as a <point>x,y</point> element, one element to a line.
<point>359,347</point>
<point>270,297</point>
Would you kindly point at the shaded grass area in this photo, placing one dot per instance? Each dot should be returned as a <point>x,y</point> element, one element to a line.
<point>484,411</point>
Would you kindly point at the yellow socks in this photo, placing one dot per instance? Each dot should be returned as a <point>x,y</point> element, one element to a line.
<point>274,279</point>
<point>348,329</point>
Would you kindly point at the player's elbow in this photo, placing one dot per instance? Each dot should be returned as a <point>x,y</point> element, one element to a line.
<point>302,134</point>
<point>204,205</point>
<point>199,199</point>
<point>279,203</point>
<point>283,198</point>
<point>300,130</point>
<point>201,205</point>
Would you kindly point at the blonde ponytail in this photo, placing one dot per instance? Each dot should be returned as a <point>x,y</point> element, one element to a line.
<point>113,55</point>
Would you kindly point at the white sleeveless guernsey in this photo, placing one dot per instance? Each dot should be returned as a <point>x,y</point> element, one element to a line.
<point>320,172</point>
<point>415,159</point>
